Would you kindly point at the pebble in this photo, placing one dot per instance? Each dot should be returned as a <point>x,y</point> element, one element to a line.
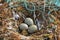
<point>29,21</point>
<point>23,26</point>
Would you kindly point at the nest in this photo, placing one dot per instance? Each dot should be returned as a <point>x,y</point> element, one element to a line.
<point>9,26</point>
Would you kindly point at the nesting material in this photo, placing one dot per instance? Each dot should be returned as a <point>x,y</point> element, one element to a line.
<point>18,20</point>
<point>11,3</point>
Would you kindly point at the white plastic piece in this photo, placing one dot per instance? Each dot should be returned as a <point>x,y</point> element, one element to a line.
<point>29,21</point>
<point>10,27</point>
<point>16,16</point>
<point>32,28</point>
<point>1,4</point>
<point>23,26</point>
<point>11,3</point>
